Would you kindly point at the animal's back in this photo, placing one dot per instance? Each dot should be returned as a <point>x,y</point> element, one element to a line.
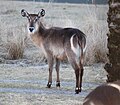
<point>108,94</point>
<point>61,35</point>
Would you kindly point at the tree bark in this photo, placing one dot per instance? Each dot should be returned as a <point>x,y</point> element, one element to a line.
<point>113,68</point>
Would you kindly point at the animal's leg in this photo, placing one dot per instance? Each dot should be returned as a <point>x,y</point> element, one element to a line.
<point>81,67</point>
<point>57,71</point>
<point>77,74</point>
<point>81,75</point>
<point>50,64</point>
<point>72,59</point>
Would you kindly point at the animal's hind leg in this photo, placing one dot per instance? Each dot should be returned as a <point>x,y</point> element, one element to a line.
<point>81,75</point>
<point>77,75</point>
<point>77,72</point>
<point>57,71</point>
<point>71,58</point>
<point>81,68</point>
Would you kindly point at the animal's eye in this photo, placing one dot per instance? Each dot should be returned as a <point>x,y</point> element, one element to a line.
<point>36,18</point>
<point>29,18</point>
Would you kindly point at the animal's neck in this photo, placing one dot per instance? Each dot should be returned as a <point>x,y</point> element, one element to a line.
<point>41,29</point>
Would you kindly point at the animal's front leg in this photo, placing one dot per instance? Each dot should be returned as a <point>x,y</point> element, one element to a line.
<point>50,64</point>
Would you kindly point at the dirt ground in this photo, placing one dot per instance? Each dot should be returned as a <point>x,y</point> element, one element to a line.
<point>25,84</point>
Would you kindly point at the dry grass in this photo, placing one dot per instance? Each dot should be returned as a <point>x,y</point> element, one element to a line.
<point>15,44</point>
<point>15,50</point>
<point>90,19</point>
<point>95,30</point>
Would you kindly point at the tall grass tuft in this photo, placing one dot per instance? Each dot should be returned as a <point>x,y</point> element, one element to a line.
<point>16,44</point>
<point>95,30</point>
<point>15,50</point>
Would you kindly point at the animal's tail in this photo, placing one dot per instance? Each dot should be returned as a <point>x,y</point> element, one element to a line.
<point>82,44</point>
<point>78,45</point>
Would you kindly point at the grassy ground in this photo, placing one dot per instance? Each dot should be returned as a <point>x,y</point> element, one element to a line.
<point>24,85</point>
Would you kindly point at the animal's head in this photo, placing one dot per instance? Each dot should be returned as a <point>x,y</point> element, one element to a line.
<point>33,19</point>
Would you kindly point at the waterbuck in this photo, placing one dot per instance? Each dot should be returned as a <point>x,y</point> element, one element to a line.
<point>107,94</point>
<point>58,43</point>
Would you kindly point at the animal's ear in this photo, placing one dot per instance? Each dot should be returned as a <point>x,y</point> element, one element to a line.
<point>41,13</point>
<point>24,13</point>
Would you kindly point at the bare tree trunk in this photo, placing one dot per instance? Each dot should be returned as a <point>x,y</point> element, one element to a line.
<point>113,68</point>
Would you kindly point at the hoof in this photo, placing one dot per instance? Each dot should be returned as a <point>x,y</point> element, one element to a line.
<point>49,85</point>
<point>80,90</point>
<point>77,90</point>
<point>58,84</point>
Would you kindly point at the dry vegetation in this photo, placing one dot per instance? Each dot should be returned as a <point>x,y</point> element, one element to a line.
<point>90,19</point>
<point>16,45</point>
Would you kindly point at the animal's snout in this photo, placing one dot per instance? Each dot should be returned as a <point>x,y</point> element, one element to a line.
<point>31,29</point>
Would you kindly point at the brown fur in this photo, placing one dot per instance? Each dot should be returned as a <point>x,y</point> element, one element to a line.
<point>108,94</point>
<point>56,44</point>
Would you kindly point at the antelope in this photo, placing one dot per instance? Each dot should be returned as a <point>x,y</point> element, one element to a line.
<point>107,94</point>
<point>57,44</point>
